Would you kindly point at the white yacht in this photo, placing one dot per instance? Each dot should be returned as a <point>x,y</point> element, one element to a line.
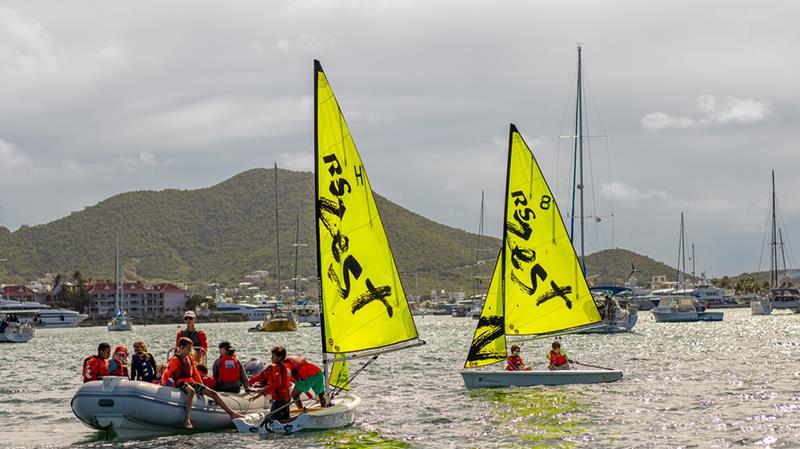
<point>674,309</point>
<point>251,311</point>
<point>44,316</point>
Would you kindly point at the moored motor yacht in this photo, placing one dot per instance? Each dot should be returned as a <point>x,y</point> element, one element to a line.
<point>673,309</point>
<point>44,316</point>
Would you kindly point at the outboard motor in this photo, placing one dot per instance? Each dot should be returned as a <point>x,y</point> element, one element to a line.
<point>253,367</point>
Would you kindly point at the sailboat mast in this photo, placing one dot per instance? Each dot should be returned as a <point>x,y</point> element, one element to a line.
<point>694,276</point>
<point>475,279</point>
<point>681,275</point>
<point>783,251</point>
<point>773,261</point>
<point>577,155</point>
<point>117,286</point>
<point>317,69</point>
<point>277,236</point>
<point>297,246</point>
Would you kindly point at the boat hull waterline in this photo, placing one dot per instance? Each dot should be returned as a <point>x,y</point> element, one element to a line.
<point>341,414</point>
<point>685,317</point>
<point>134,408</point>
<point>502,379</point>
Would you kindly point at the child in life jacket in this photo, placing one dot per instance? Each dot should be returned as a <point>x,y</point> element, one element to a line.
<point>557,357</point>
<point>162,368</point>
<point>207,380</point>
<point>119,362</point>
<point>514,361</point>
<point>276,378</point>
<point>95,367</point>
<point>182,370</point>
<point>143,364</point>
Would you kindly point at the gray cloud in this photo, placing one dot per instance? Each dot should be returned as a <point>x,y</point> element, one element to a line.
<point>109,97</point>
<point>712,111</point>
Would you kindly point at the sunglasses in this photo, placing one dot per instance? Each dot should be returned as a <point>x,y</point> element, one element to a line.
<point>122,354</point>
<point>188,318</point>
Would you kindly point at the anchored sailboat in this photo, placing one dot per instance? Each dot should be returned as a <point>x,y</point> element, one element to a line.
<point>120,321</point>
<point>363,307</point>
<point>780,296</point>
<point>538,288</point>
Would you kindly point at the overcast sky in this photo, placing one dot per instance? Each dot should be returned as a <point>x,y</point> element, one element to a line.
<point>691,107</point>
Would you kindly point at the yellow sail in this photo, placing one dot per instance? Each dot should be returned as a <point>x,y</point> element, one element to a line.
<point>340,374</point>
<point>363,302</point>
<point>489,342</point>
<point>545,289</point>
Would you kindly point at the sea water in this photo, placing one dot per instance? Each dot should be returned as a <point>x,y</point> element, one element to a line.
<point>709,384</point>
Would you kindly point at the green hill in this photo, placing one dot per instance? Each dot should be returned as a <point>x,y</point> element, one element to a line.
<point>612,266</point>
<point>222,233</point>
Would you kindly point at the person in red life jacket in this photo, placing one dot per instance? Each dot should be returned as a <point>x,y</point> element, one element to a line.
<point>307,377</point>
<point>182,370</point>
<point>118,366</point>
<point>514,362</point>
<point>557,358</point>
<point>95,367</point>
<point>197,336</point>
<point>228,373</point>
<point>276,379</point>
<point>207,380</point>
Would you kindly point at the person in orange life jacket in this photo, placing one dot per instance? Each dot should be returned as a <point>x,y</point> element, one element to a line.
<point>143,364</point>
<point>207,380</point>
<point>118,366</point>
<point>182,370</point>
<point>197,336</point>
<point>514,361</point>
<point>276,378</point>
<point>307,377</point>
<point>557,358</point>
<point>228,373</point>
<point>95,367</point>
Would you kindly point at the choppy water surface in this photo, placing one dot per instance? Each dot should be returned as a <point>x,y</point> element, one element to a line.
<point>727,384</point>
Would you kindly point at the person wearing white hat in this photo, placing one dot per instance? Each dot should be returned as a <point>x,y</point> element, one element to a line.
<point>197,336</point>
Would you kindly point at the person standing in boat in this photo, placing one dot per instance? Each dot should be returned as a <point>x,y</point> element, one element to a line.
<point>557,358</point>
<point>307,377</point>
<point>182,370</point>
<point>229,374</point>
<point>276,379</point>
<point>95,367</point>
<point>514,362</point>
<point>118,366</point>
<point>143,364</point>
<point>197,336</point>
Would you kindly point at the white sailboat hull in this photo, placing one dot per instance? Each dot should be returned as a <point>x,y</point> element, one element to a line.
<point>120,325</point>
<point>17,333</point>
<point>761,306</point>
<point>501,379</point>
<point>341,414</point>
<point>624,324</point>
<point>134,408</point>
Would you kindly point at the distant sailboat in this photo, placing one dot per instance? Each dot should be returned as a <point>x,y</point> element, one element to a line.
<point>364,311</point>
<point>120,321</point>
<point>780,296</point>
<point>281,319</point>
<point>538,288</point>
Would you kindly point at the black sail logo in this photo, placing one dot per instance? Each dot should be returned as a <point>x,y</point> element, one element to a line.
<point>332,213</point>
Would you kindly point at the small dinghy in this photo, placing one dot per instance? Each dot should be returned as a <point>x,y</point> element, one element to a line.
<point>342,413</point>
<point>132,408</point>
<point>501,379</point>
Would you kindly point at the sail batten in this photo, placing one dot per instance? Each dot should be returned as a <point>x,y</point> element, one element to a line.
<point>364,306</point>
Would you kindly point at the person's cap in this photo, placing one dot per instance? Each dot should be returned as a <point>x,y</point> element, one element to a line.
<point>121,349</point>
<point>225,344</point>
<point>189,314</point>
